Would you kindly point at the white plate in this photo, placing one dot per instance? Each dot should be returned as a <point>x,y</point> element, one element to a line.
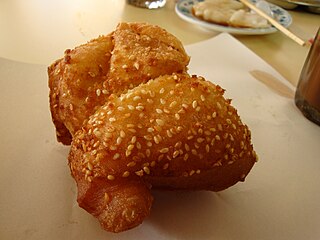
<point>183,9</point>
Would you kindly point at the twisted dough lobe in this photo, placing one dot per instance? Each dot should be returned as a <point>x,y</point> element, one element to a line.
<point>174,132</point>
<point>83,80</point>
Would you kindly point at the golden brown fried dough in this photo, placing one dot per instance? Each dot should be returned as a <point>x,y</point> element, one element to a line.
<point>87,75</point>
<point>174,132</point>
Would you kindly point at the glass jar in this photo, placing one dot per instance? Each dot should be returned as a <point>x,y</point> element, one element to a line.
<point>307,97</point>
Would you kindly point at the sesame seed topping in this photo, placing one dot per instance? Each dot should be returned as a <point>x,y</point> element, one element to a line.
<point>162,101</point>
<point>164,150</point>
<point>110,177</point>
<point>176,154</point>
<point>122,134</point>
<point>136,98</point>
<point>148,152</point>
<point>160,122</point>
<point>165,166</point>
<point>98,92</point>
<point>217,137</point>
<point>161,90</point>
<point>172,104</point>
<point>131,164</point>
<point>186,156</point>
<point>169,134</point>
<point>126,174</point>
<point>130,107</point>
<point>119,140</point>
<point>219,105</point>
<point>116,156</point>
<point>159,111</point>
<point>139,173</point>
<point>146,170</point>
<point>214,114</point>
<point>194,104</point>
<point>202,98</point>
<point>156,139</point>
<point>177,116</point>
<point>112,119</point>
<point>130,147</point>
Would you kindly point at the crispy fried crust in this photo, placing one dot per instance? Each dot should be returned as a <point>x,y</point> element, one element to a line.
<point>174,132</point>
<point>87,75</point>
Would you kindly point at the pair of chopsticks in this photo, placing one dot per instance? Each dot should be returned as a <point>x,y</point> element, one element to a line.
<point>274,23</point>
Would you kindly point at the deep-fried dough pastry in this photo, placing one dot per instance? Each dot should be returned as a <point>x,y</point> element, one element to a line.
<point>174,132</point>
<point>86,76</point>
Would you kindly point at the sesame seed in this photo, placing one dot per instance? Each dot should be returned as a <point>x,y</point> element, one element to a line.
<point>214,114</point>
<point>234,126</point>
<point>136,98</point>
<point>119,140</point>
<point>159,111</point>
<point>177,116</point>
<point>139,173</point>
<point>149,100</point>
<point>169,134</point>
<point>156,139</point>
<point>164,150</point>
<point>148,152</point>
<point>220,127</point>
<point>120,108</point>
<point>132,130</point>
<point>172,104</point>
<point>160,122</point>
<point>228,121</point>
<point>202,98</point>
<point>112,119</point>
<point>126,174</point>
<point>217,137</point>
<point>128,153</point>
<point>185,106</point>
<point>219,105</point>
<point>110,177</point>
<point>161,90</point>
<point>124,66</point>
<point>160,157</point>
<point>152,164</point>
<point>194,104</point>
<point>207,148</point>
<point>171,92</point>
<point>146,170</point>
<point>194,151</point>
<point>176,154</point>
<point>130,107</point>
<point>130,147</point>
<point>186,156</point>
<point>116,156</point>
<point>191,172</point>
<point>98,92</point>
<point>198,171</point>
<point>165,166</point>
<point>122,134</point>
<point>131,164</point>
<point>105,92</point>
<point>200,140</point>
<point>113,148</point>
<point>149,144</point>
<point>138,145</point>
<point>150,130</point>
<point>147,137</point>
<point>198,109</point>
<point>186,146</point>
<point>166,110</point>
<point>71,107</point>
<point>162,101</point>
<point>136,65</point>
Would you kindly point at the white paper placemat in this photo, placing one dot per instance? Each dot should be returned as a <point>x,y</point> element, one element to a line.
<point>279,199</point>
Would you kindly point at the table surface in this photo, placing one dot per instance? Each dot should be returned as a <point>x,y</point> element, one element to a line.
<point>38,31</point>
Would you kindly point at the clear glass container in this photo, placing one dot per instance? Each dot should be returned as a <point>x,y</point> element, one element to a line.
<point>307,97</point>
<point>151,4</point>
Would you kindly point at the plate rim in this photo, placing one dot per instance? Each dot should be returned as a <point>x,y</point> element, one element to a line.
<point>233,30</point>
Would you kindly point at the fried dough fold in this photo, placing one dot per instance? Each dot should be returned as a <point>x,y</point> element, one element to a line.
<point>174,132</point>
<point>86,76</point>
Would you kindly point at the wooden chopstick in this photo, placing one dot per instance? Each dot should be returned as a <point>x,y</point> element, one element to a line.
<point>274,22</point>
